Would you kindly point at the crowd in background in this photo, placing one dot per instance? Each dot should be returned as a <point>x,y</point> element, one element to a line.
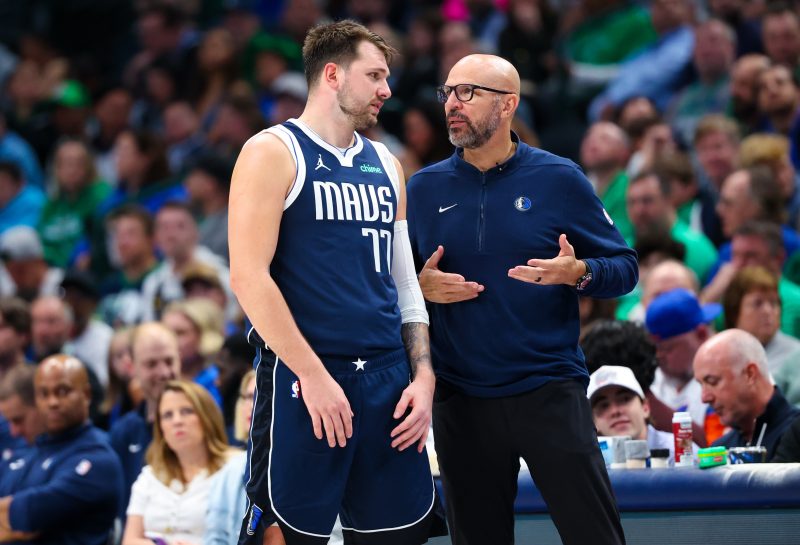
<point>121,120</point>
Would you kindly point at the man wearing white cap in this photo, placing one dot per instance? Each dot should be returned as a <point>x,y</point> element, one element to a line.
<point>619,407</point>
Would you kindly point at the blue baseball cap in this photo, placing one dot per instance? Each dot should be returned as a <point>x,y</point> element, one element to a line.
<point>678,311</point>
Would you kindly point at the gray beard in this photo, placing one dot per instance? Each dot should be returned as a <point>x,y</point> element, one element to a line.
<point>475,135</point>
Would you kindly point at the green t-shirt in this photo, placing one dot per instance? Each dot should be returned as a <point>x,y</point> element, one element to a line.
<point>611,37</point>
<point>613,200</point>
<point>64,222</point>
<point>701,254</point>
<point>790,307</point>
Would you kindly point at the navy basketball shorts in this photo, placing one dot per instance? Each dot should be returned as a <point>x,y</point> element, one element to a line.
<point>382,495</point>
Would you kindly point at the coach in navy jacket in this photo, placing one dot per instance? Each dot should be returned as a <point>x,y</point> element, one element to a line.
<point>511,236</point>
<point>67,489</point>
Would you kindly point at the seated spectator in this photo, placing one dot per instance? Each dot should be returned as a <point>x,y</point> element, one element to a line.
<point>124,393</point>
<point>176,236</point>
<point>649,207</point>
<point>628,342</point>
<point>734,13</point>
<point>169,500</point>
<point>143,172</point>
<point>144,181</point>
<point>772,150</point>
<point>605,151</point>
<point>744,91</point>
<point>752,303</point>
<point>20,203</point>
<point>15,150</point>
<point>131,229</point>
<point>65,217</point>
<point>425,136</point>
<point>208,184</point>
<point>667,275</point>
<point>23,258</point>
<point>658,70</point>
<point>732,368</point>
<point>15,332</point>
<point>185,142</point>
<point>89,337</point>
<point>18,408</point>
<point>198,325</point>
<point>619,407</point>
<point>202,281</point>
<point>51,322</point>
<point>112,112</point>
<point>752,194</point>
<point>694,203</point>
<point>712,58</point>
<point>291,92</point>
<point>72,491</point>
<point>156,362</point>
<point>780,30</point>
<point>759,243</point>
<point>779,101</point>
<point>679,325</point>
<point>716,144</point>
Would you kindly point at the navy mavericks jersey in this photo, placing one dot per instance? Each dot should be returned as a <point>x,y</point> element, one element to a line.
<point>333,258</point>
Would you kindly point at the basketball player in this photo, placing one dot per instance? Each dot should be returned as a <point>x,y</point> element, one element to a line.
<point>321,263</point>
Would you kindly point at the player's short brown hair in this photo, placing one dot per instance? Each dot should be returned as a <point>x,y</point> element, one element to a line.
<point>338,43</point>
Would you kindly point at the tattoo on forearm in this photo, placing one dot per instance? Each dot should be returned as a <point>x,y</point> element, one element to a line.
<point>417,343</point>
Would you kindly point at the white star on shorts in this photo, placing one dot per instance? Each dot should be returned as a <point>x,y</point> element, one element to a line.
<point>359,364</point>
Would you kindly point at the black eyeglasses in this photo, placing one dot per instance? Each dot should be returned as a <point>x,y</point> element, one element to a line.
<point>464,91</point>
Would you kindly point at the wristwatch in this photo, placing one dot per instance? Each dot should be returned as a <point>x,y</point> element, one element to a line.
<point>584,280</point>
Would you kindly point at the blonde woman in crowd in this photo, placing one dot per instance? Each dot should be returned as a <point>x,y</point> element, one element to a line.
<point>198,324</point>
<point>169,500</point>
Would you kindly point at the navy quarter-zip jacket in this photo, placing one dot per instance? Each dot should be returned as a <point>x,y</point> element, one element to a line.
<point>515,336</point>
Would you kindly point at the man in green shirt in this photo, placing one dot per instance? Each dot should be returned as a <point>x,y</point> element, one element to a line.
<point>649,209</point>
<point>604,154</point>
<point>760,243</point>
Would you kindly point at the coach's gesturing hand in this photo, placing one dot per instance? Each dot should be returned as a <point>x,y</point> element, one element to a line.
<point>329,408</point>
<point>441,287</point>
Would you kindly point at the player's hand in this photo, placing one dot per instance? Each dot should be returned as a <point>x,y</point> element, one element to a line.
<point>329,408</point>
<point>415,426</point>
<point>442,287</point>
<point>562,269</point>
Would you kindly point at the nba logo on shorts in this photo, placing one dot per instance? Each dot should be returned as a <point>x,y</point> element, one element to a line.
<point>296,389</point>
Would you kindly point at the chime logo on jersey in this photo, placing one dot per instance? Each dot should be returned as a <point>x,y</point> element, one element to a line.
<point>296,389</point>
<point>371,169</point>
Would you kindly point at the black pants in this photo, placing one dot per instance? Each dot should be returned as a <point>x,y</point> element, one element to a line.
<point>479,442</point>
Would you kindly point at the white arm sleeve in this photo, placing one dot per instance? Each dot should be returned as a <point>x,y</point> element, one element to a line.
<point>409,295</point>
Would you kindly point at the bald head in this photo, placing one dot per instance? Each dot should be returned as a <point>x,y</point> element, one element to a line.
<point>155,358</point>
<point>480,99</point>
<point>732,370</point>
<point>735,348</point>
<point>604,148</point>
<point>62,392</point>
<point>667,276</point>
<point>487,70</point>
